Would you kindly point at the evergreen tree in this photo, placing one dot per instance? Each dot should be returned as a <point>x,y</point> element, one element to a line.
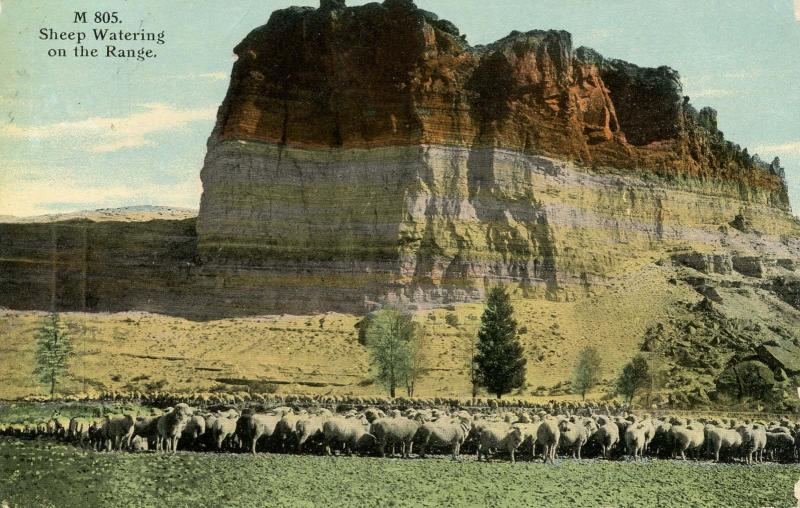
<point>499,360</point>
<point>587,371</point>
<point>53,350</point>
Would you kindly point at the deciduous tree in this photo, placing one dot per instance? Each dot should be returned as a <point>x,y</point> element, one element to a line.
<point>587,371</point>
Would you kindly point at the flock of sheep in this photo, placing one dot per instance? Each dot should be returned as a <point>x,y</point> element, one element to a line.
<point>487,432</point>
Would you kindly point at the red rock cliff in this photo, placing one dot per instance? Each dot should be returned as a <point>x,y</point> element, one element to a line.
<point>392,74</point>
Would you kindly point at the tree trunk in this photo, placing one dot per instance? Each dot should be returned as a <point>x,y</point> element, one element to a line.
<point>52,385</point>
<point>392,391</point>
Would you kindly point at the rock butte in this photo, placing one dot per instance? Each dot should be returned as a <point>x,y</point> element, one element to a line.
<point>369,154</point>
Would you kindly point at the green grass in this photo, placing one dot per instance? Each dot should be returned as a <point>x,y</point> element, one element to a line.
<point>42,473</point>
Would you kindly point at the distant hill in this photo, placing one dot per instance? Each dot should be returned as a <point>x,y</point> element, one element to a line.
<point>124,214</point>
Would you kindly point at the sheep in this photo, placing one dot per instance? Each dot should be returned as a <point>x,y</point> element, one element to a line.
<point>499,437</point>
<point>373,413</point>
<point>60,425</point>
<point>661,443</point>
<point>146,427</point>
<point>96,435</point>
<point>223,428</point>
<point>286,427</point>
<point>118,431</point>
<point>194,429</point>
<point>529,435</point>
<point>309,428</point>
<point>686,438</point>
<point>608,436</point>
<point>649,426</point>
<point>349,431</point>
<point>780,445</point>
<point>573,436</point>
<point>636,439</point>
<point>548,435</point>
<point>392,430</point>
<point>209,420</point>
<point>444,432</point>
<point>719,438</point>
<point>251,427</point>
<point>78,429</point>
<point>170,427</point>
<point>139,444</point>
<point>754,440</point>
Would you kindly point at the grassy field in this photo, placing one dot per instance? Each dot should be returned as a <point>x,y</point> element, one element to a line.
<point>41,473</point>
<point>321,354</point>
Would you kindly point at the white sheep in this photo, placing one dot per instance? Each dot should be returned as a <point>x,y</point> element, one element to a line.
<point>170,427</point>
<point>395,430</point>
<point>351,432</point>
<point>450,432</point>
<point>499,437</point>
<point>548,435</point>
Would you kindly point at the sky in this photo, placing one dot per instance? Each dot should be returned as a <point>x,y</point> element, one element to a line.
<point>86,133</point>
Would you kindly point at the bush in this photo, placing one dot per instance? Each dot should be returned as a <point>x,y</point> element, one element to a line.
<point>451,320</point>
<point>262,387</point>
<point>156,386</point>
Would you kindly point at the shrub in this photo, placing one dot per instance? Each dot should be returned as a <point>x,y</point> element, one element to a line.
<point>451,320</point>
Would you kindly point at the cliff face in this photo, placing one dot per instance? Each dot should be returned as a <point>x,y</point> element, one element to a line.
<point>393,75</point>
<point>371,147</point>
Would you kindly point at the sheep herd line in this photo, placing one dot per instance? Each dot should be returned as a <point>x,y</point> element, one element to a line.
<point>488,432</point>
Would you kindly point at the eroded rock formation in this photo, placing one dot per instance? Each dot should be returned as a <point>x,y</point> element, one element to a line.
<point>372,147</point>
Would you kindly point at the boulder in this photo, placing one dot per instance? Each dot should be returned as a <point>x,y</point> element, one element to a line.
<point>750,266</point>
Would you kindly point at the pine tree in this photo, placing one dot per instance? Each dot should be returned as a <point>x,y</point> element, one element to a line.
<point>500,360</point>
<point>53,350</point>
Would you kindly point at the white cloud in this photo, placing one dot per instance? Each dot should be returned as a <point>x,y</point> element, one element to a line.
<point>109,134</point>
<point>792,148</point>
<point>50,195</point>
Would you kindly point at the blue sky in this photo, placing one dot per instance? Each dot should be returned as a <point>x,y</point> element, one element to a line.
<point>80,134</point>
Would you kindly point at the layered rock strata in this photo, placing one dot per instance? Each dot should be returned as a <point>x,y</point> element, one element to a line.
<point>371,147</point>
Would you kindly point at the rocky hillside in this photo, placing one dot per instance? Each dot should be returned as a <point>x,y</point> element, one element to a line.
<point>369,154</point>
<point>372,146</point>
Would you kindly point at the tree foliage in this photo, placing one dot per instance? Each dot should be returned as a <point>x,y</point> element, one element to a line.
<point>417,358</point>
<point>635,375</point>
<point>397,349</point>
<point>53,351</point>
<point>499,359</point>
<point>472,365</point>
<point>587,371</point>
